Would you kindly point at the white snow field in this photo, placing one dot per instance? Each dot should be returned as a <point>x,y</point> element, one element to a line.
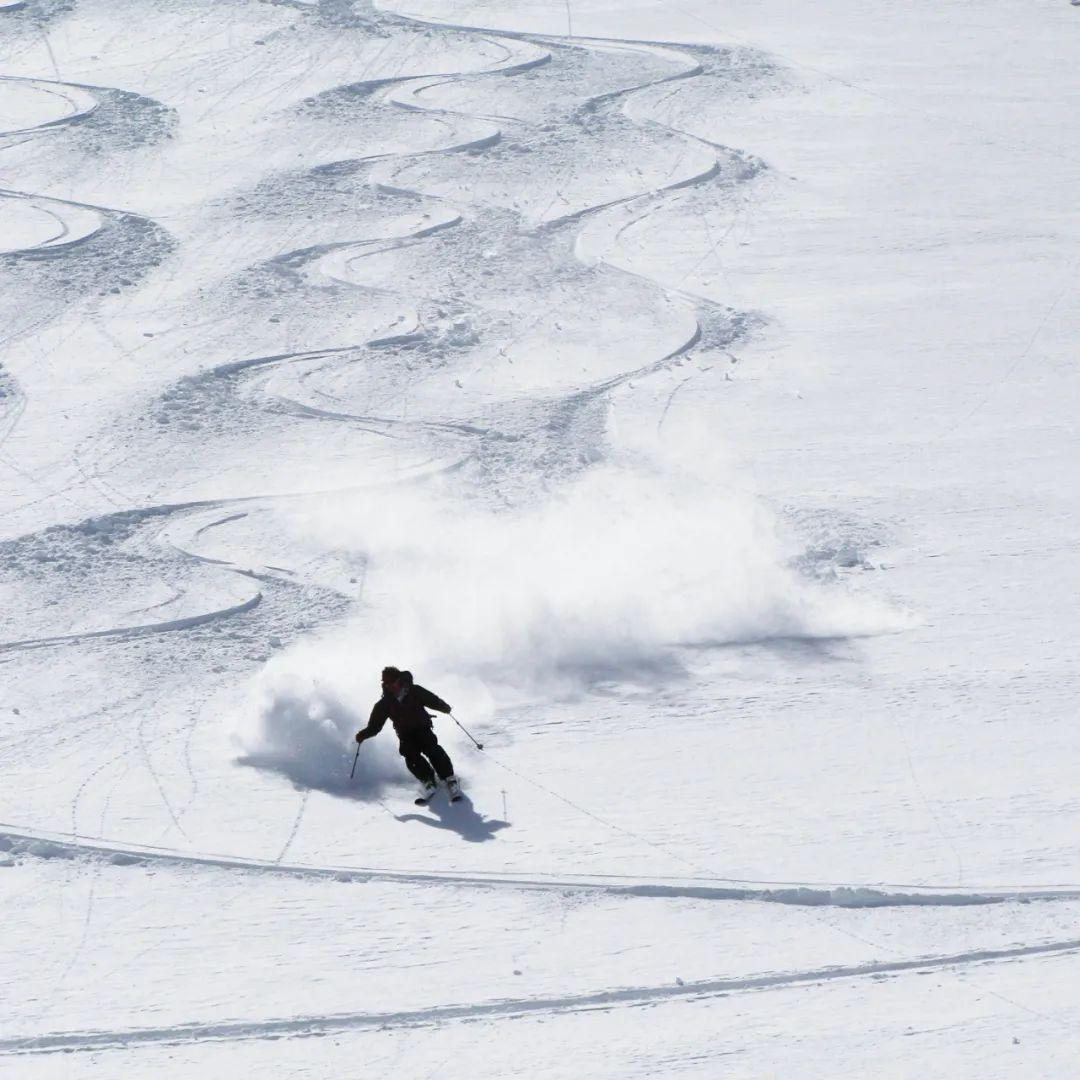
<point>685,391</point>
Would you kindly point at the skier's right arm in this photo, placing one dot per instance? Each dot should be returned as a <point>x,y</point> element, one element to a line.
<point>375,723</point>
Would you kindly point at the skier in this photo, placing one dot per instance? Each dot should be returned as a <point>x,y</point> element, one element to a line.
<point>406,704</point>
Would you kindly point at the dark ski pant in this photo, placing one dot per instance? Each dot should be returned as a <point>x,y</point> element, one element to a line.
<point>418,748</point>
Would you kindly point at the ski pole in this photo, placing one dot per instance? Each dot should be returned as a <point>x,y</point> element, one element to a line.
<point>354,761</point>
<point>479,745</point>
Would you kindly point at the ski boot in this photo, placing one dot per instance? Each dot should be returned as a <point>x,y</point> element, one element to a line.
<point>453,788</point>
<point>430,787</point>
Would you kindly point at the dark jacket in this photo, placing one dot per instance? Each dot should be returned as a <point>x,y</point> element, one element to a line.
<point>409,715</point>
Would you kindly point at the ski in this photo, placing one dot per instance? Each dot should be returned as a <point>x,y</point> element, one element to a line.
<point>453,790</point>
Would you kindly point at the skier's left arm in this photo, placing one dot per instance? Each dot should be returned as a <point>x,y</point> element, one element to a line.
<point>379,716</point>
<point>430,700</point>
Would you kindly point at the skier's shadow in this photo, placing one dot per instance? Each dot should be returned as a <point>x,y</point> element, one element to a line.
<point>460,817</point>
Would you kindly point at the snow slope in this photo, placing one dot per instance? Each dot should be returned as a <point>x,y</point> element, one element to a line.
<point>684,391</point>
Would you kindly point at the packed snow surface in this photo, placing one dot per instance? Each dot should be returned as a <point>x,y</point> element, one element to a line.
<point>686,392</point>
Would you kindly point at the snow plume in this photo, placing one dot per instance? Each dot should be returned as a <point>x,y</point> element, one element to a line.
<point>601,581</point>
<point>294,725</point>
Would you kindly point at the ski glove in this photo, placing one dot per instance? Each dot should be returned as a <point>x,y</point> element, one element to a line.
<point>360,736</point>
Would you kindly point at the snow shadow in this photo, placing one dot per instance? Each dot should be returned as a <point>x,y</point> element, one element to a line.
<point>810,651</point>
<point>460,817</point>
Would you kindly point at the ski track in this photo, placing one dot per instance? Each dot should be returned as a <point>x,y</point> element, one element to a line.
<point>167,626</point>
<point>76,102</point>
<point>519,55</point>
<point>310,1026</point>
<point>807,894</point>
